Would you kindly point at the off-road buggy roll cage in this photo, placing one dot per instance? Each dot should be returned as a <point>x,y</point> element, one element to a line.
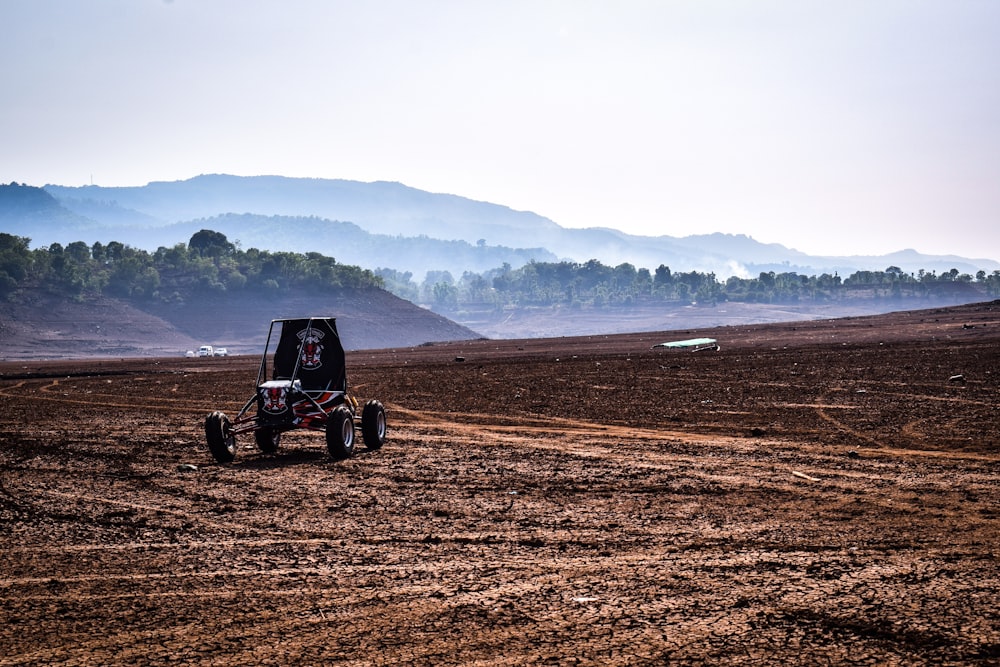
<point>303,387</point>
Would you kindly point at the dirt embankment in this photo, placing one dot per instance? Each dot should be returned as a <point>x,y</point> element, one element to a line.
<point>813,493</point>
<point>46,327</point>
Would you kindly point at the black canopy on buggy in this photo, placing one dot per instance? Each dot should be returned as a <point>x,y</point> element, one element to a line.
<point>309,350</point>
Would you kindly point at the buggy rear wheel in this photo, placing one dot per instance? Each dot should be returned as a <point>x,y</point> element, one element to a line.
<point>373,427</point>
<point>220,438</point>
<point>267,439</point>
<point>340,433</point>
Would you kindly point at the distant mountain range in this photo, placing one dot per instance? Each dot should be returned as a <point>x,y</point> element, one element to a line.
<point>389,225</point>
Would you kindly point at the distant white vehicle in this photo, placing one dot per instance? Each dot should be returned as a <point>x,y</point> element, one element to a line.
<point>190,353</point>
<point>206,351</point>
<point>221,352</point>
<point>694,344</point>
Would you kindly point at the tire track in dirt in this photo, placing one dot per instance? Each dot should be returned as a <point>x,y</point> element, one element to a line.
<point>47,392</point>
<point>821,408</point>
<point>910,429</point>
<point>523,434</point>
<point>568,436</point>
<point>506,430</point>
<point>129,546</point>
<point>556,588</point>
<point>138,506</point>
<point>555,425</point>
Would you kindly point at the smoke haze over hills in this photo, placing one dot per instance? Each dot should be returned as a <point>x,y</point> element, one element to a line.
<point>390,225</point>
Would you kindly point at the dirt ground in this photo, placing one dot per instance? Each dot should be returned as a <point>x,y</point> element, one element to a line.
<point>815,493</point>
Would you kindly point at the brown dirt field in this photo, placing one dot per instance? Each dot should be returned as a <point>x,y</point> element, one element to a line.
<point>820,492</point>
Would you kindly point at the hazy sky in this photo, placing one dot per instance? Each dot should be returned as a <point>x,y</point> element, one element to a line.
<point>833,127</point>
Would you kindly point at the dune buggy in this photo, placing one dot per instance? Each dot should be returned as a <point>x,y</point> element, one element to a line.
<point>303,387</point>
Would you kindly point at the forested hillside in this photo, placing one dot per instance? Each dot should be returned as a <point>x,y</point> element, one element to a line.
<point>115,300</point>
<point>210,264</point>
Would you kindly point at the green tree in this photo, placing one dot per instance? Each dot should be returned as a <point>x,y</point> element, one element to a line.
<point>209,243</point>
<point>15,261</point>
<point>445,295</point>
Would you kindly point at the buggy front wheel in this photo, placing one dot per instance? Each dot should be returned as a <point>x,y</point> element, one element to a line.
<point>373,428</point>
<point>267,439</point>
<point>340,433</point>
<point>220,438</point>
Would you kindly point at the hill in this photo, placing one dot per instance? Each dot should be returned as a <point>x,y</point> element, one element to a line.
<point>373,225</point>
<point>428,229</point>
<point>47,327</point>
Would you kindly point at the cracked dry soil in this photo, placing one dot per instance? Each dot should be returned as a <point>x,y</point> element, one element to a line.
<point>813,493</point>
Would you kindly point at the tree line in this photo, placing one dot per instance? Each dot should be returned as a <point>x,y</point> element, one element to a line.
<point>208,264</point>
<point>595,285</point>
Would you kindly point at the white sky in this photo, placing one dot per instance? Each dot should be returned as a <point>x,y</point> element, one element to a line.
<point>832,127</point>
